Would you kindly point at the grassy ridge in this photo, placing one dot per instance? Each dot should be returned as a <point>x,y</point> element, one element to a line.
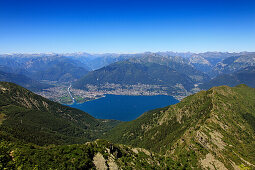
<point>18,155</point>
<point>215,125</point>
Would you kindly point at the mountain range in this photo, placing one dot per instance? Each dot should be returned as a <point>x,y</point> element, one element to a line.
<point>235,63</point>
<point>200,68</point>
<point>51,68</point>
<point>246,76</point>
<point>23,81</point>
<point>173,74</point>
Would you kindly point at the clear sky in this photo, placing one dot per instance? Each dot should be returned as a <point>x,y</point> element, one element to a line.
<point>126,26</point>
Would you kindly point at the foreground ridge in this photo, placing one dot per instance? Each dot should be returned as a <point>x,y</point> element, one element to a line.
<point>211,129</point>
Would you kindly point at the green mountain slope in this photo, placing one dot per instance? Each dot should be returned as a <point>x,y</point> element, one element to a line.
<point>243,76</point>
<point>32,118</point>
<point>211,129</point>
<point>99,154</point>
<point>130,73</point>
<point>28,121</point>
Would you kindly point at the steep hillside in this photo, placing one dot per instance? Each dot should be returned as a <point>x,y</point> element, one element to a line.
<point>243,76</point>
<point>23,81</point>
<point>129,73</point>
<point>99,154</point>
<point>211,129</point>
<point>32,118</point>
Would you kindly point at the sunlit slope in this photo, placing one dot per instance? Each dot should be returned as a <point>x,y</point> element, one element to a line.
<point>214,128</point>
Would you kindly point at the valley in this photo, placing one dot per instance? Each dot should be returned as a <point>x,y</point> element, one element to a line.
<point>61,93</point>
<point>145,74</point>
<point>128,75</point>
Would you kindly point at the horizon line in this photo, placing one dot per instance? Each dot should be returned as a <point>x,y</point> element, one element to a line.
<point>123,53</point>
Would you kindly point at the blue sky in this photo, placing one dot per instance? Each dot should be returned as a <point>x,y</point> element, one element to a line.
<point>126,26</point>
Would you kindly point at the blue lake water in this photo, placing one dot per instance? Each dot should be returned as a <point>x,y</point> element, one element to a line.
<point>124,108</point>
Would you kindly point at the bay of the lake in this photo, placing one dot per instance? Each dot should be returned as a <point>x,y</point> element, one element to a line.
<point>124,108</point>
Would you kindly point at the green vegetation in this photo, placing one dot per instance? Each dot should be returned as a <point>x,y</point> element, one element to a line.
<point>1,117</point>
<point>79,99</point>
<point>18,155</point>
<point>212,129</point>
<point>66,99</point>
<point>34,119</point>
<point>217,124</point>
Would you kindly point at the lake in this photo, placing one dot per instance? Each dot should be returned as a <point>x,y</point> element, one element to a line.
<point>123,108</point>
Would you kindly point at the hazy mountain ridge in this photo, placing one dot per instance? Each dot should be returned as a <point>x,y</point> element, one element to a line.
<point>176,63</point>
<point>23,80</point>
<point>40,67</point>
<point>192,69</point>
<point>98,61</point>
<point>242,76</point>
<point>235,63</point>
<point>209,61</point>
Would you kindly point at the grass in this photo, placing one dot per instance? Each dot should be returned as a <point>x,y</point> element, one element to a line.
<point>2,118</point>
